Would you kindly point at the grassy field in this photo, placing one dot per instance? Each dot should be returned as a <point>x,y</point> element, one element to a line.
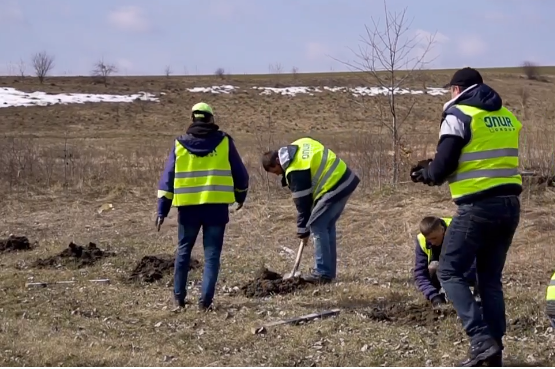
<point>62,166</point>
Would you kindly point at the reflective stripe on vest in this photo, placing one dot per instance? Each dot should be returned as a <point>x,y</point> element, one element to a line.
<point>550,296</point>
<point>422,240</point>
<point>203,179</point>
<point>326,169</point>
<point>491,157</point>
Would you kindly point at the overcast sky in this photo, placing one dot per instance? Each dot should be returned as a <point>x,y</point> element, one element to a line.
<point>246,36</point>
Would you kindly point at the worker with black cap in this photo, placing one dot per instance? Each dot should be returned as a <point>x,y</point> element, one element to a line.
<point>477,155</point>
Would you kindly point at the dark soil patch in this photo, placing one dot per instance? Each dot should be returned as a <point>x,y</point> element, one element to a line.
<point>75,255</point>
<point>407,313</point>
<point>15,243</point>
<point>152,268</point>
<point>267,283</point>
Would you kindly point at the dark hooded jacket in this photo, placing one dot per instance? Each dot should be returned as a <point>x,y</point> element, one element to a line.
<point>455,133</point>
<point>203,143</point>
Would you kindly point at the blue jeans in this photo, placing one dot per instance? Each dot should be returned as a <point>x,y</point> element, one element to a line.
<point>325,240</point>
<point>483,230</point>
<point>213,239</point>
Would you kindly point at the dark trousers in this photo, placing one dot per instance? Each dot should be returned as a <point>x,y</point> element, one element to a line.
<point>213,238</point>
<point>483,231</point>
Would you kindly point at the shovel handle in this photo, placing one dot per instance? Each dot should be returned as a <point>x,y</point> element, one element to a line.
<point>299,255</point>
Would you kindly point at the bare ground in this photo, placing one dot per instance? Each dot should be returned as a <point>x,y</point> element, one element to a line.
<point>61,166</point>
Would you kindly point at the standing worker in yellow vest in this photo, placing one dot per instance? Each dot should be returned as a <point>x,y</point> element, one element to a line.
<point>203,175</point>
<point>321,185</point>
<point>427,250</point>
<point>477,155</point>
<point>550,297</point>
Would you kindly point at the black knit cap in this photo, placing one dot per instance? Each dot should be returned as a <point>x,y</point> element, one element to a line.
<point>465,78</point>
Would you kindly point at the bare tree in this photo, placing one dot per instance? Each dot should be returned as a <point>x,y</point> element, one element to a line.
<point>168,71</point>
<point>102,71</point>
<point>21,68</point>
<point>42,64</point>
<point>390,55</point>
<point>294,72</point>
<point>220,72</point>
<point>275,68</point>
<point>532,72</point>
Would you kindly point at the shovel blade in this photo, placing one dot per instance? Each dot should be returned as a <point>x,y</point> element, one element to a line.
<point>292,275</point>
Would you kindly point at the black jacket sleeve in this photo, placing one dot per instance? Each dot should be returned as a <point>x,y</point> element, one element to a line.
<point>300,184</point>
<point>446,160</point>
<point>422,277</point>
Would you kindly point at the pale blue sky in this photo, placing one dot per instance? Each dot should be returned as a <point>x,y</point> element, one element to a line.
<point>246,36</point>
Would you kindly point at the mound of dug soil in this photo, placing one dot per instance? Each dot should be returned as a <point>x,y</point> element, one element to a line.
<point>267,283</point>
<point>15,243</point>
<point>152,268</point>
<point>78,256</point>
<point>407,314</point>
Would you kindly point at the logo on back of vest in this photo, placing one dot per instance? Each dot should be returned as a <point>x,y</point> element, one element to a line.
<point>499,124</point>
<point>305,151</point>
<point>209,155</point>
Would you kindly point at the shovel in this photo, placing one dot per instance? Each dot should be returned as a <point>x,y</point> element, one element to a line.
<point>294,272</point>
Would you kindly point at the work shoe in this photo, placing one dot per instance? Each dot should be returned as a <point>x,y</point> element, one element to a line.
<point>316,279</point>
<point>202,306</point>
<point>496,360</point>
<point>178,305</point>
<point>481,352</point>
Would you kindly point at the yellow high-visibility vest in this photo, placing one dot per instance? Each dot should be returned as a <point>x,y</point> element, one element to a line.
<point>422,240</point>
<point>203,179</point>
<point>491,157</point>
<point>326,169</point>
<point>550,297</point>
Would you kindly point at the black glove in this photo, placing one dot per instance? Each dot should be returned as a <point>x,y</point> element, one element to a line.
<point>419,168</point>
<point>159,222</point>
<point>424,163</point>
<point>303,235</point>
<point>438,301</point>
<point>417,175</point>
<point>422,176</point>
<point>420,165</point>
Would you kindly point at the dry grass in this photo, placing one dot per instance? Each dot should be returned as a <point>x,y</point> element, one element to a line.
<point>60,164</point>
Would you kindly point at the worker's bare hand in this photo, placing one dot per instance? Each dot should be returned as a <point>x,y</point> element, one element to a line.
<point>432,268</point>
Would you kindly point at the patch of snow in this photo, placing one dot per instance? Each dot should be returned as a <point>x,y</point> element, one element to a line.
<point>287,91</point>
<point>293,91</point>
<point>10,97</point>
<point>356,91</point>
<point>226,89</point>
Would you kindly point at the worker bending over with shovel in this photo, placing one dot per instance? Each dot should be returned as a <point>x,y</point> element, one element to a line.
<point>428,248</point>
<point>204,174</point>
<point>321,185</point>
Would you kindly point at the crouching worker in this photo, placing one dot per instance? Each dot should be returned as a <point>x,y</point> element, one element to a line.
<point>204,174</point>
<point>428,249</point>
<point>321,185</point>
<point>550,309</point>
